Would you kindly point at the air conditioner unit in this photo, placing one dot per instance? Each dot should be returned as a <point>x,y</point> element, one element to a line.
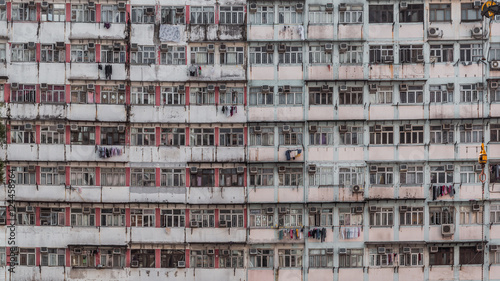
<point>403,87</point>
<point>60,45</point>
<point>373,209</point>
<point>210,48</point>
<point>389,59</point>
<point>14,86</point>
<point>117,251</point>
<point>343,128</point>
<point>299,7</point>
<point>265,89</point>
<point>381,250</point>
<point>342,251</point>
<point>77,250</point>
<point>449,167</point>
<point>61,169</point>
<point>134,47</point>
<point>377,128</point>
<point>406,250</point>
<point>479,247</point>
<point>211,88</point>
<point>91,45</point>
<point>240,169</point>
<point>282,210</point>
<point>373,168</point>
<point>116,210</point>
<point>358,209</point>
<point>450,86</point>
<point>477,32</point>
<point>193,170</point>
<point>403,168</point>
<point>343,88</point>
<point>281,169</point>
<point>151,89</point>
<point>31,4</point>
<point>493,85</point>
<point>28,127</point>
<point>179,11</point>
<point>122,6</point>
<point>44,249</point>
<point>43,86</point>
<point>468,126</point>
<point>357,189</point>
<point>495,65</point>
<point>373,87</point>
<point>447,229</point>
<point>90,87</point>
<point>329,7</point>
<point>134,264</point>
<point>181,89</point>
<point>193,224</point>
<point>270,210</point>
<point>281,48</point>
<point>311,169</point>
<point>433,249</point>
<point>225,252</point>
<point>478,167</point>
<point>313,128</point>
<point>31,168</point>
<point>329,251</point>
<point>222,88</point>
<point>86,210</point>
<point>253,7</point>
<point>480,86</point>
<point>44,5</point>
<point>403,6</point>
<point>181,264</point>
<point>434,32</point>
<point>91,5</point>
<point>286,88</point>
<point>407,127</point>
<point>313,210</point>
<point>222,224</point>
<point>121,128</point>
<point>343,47</point>
<point>286,128</point>
<point>342,6</point>
<point>328,48</point>
<point>253,170</point>
<point>164,47</point>
<point>325,88</point>
<point>446,126</point>
<point>493,248</point>
<point>420,58</point>
<point>30,209</point>
<point>150,11</point>
<point>253,252</point>
<point>476,207</point>
<point>31,45</point>
<point>121,87</point>
<point>403,208</point>
<point>222,48</point>
<point>270,48</point>
<point>477,5</point>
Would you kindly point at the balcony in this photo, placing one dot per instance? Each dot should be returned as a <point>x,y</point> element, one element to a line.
<point>215,235</point>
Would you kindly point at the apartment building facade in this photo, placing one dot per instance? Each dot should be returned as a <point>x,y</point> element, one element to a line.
<point>250,140</point>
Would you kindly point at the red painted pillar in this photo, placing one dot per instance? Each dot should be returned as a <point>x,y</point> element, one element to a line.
<point>187,258</point>
<point>68,53</point>
<point>68,216</point>
<point>37,93</point>
<point>127,13</point>
<point>98,258</point>
<point>67,89</point>
<point>38,256</point>
<point>9,9</point>
<point>216,131</point>
<point>187,218</point>
<point>158,258</point>
<point>188,177</point>
<point>7,173</point>
<point>158,136</point>
<point>127,176</point>
<point>245,136</point>
<point>68,12</point>
<point>157,95</point>
<point>37,174</point>
<point>97,216</point>
<point>37,216</point>
<point>97,98</point>
<point>38,51</point>
<point>68,175</point>
<point>68,257</point>
<point>97,135</point>
<point>68,134</point>
<point>216,177</point>
<point>245,95</point>
<point>216,20</point>
<point>216,95</point>
<point>8,134</point>
<point>245,212</point>
<point>38,14</point>
<point>127,255</point>
<point>158,177</point>
<point>98,176</point>
<point>216,258</point>
<point>216,217</point>
<point>38,134</point>
<point>127,94</point>
<point>7,249</point>
<point>187,16</point>
<point>6,89</point>
<point>187,136</point>
<point>97,13</point>
<point>157,217</point>
<point>186,94</point>
<point>127,217</point>
<point>98,47</point>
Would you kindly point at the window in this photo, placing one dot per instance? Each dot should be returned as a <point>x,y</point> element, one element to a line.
<point>263,177</point>
<point>143,14</point>
<point>382,217</point>
<point>173,218</point>
<point>171,258</point>
<point>52,216</point>
<point>232,218</point>
<point>292,55</point>
<point>441,53</point>
<point>82,217</point>
<point>495,214</point>
<point>352,14</point>
<point>113,176</point>
<point>143,177</point>
<point>468,174</point>
<point>142,217</point>
<point>411,134</point>
<point>233,56</point>
<point>111,14</point>
<point>263,15</point>
<point>112,217</point>
<point>203,178</point>
<point>259,55</point>
<point>111,136</point>
<point>383,175</point>
<point>414,174</point>
<point>200,55</point>
<point>235,259</point>
<point>353,96</point>
<point>200,96</point>
<point>81,53</point>
<point>49,53</point>
<point>323,218</point>
<point>495,133</point>
<point>292,218</point>
<point>3,54</point>
<point>353,55</point>
<point>471,135</point>
<point>82,13</point>
<point>318,258</point>
<point>26,256</point>
<point>143,258</point>
<point>231,15</point>
<point>381,134</point>
<point>444,256</point>
<point>231,96</point>
<point>264,218</point>
<point>82,176</point>
<point>202,137</point>
<point>112,54</point>
<point>322,136</point>
<point>413,13</point>
<point>112,257</point>
<point>24,175</point>
<point>495,95</point>
<point>319,15</point>
<point>351,135</point>
<point>442,134</point>
<point>352,258</point>
<point>201,259</point>
<point>470,255</point>
<point>230,177</point>
<point>143,95</point>
<point>439,12</point>
<point>111,95</point>
<point>383,95</point>
<point>173,177</point>
<point>289,15</point>
<point>290,258</point>
<point>202,15</point>
<point>441,215</point>
<point>262,258</point>
<point>470,93</point>
<point>350,176</point>
<point>23,12</point>
<point>51,176</point>
<point>262,136</point>
<point>176,55</point>
<point>24,94</point>
<point>381,14</point>
<point>411,53</point>
<point>53,257</point>
<point>382,54</point>
<point>469,216</point>
<point>24,217</point>
<point>291,137</point>
<point>19,134</point>
<point>22,53</point>
<point>172,96</point>
<point>173,136</point>
<point>413,95</point>
<point>440,94</point>
<point>3,217</point>
<point>3,16</point>
<point>494,256</point>
<point>494,51</point>
<point>172,15</point>
<point>414,258</point>
<point>144,55</point>
<point>319,97</point>
<point>470,13</point>
<point>80,94</point>
<point>412,216</point>
<point>471,52</point>
<point>294,96</point>
<point>204,218</point>
<point>318,55</point>
<point>84,135</point>
<point>143,136</point>
<point>259,97</point>
<point>55,12</point>
<point>53,94</point>
<point>440,174</point>
<point>381,258</point>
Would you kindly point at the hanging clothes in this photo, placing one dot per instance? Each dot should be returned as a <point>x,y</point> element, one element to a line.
<point>108,71</point>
